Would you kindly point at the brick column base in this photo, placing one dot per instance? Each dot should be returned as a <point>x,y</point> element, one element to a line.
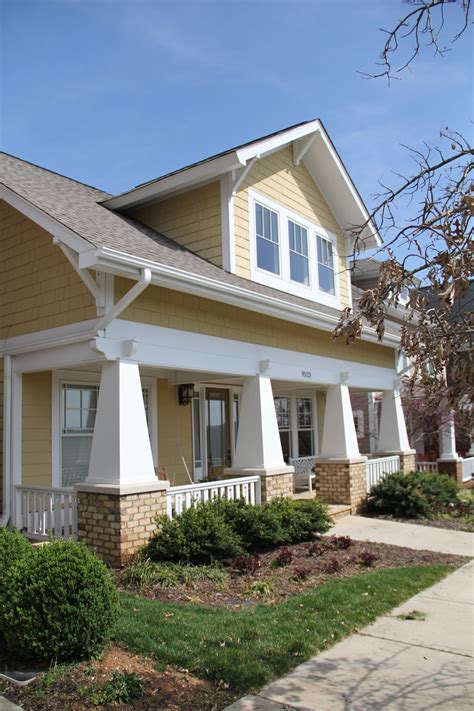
<point>451,467</point>
<point>407,459</point>
<point>341,481</point>
<point>115,522</point>
<point>274,482</point>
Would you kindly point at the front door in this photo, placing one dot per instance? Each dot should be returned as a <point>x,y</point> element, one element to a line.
<point>217,430</point>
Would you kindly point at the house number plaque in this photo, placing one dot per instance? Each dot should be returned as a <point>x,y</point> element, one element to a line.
<point>306,373</point>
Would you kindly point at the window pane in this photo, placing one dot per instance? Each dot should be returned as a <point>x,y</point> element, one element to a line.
<point>274,227</point>
<point>73,396</point>
<point>305,443</point>
<point>285,440</point>
<point>268,256</point>
<point>72,420</point>
<point>299,268</point>
<point>305,412</point>
<point>304,242</point>
<point>266,223</point>
<point>236,418</point>
<point>75,455</point>
<point>258,219</point>
<point>282,409</point>
<point>291,234</point>
<point>326,279</point>
<point>89,398</point>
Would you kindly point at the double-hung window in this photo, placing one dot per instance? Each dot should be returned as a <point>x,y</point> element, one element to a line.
<point>268,243</point>
<point>299,261</point>
<point>325,265</point>
<point>304,407</point>
<point>283,413</point>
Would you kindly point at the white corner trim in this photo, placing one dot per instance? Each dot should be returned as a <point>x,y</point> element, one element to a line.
<point>227,222</point>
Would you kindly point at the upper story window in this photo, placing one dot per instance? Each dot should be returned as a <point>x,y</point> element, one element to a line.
<point>290,253</point>
<point>325,265</point>
<point>266,229</point>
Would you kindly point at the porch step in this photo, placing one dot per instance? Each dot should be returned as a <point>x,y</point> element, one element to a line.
<point>339,510</point>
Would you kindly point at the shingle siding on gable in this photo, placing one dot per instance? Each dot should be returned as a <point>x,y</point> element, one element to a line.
<point>38,287</point>
<point>279,179</point>
<point>192,219</point>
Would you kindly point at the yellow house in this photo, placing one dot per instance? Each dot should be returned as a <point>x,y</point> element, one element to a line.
<point>184,329</point>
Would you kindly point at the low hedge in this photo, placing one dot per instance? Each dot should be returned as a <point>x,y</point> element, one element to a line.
<point>61,604</point>
<point>415,495</point>
<point>13,547</point>
<point>223,529</point>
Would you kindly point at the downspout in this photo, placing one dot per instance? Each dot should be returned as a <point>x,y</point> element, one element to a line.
<point>126,299</point>
<point>7,430</point>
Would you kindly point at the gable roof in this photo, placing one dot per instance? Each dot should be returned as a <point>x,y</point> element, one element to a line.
<point>65,207</point>
<point>311,144</point>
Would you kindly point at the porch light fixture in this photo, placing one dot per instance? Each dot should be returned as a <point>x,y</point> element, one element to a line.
<point>185,393</point>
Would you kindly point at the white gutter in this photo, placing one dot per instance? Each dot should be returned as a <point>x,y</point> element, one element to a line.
<point>114,262</point>
<point>7,437</point>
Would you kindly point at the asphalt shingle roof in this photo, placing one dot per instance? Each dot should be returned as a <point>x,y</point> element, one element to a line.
<point>78,207</point>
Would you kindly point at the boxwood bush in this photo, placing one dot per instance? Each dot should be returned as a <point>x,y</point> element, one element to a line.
<point>415,495</point>
<point>61,604</point>
<point>13,547</point>
<point>224,529</point>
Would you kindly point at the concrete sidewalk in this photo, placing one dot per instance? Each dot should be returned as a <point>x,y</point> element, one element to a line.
<point>395,663</point>
<point>411,535</point>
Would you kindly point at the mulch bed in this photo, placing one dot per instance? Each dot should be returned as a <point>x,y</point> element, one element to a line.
<point>311,564</point>
<point>165,690</point>
<point>447,522</point>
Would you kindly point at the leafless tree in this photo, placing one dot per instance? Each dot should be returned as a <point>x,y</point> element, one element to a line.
<point>434,245</point>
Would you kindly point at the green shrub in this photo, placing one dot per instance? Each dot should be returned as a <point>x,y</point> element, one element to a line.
<point>415,495</point>
<point>61,604</point>
<point>224,529</point>
<point>14,546</point>
<point>199,535</point>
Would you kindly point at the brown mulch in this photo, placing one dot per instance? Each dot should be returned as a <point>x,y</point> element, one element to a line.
<point>165,690</point>
<point>312,564</point>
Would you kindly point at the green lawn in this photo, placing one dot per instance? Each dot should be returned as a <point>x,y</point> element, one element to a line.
<point>248,648</point>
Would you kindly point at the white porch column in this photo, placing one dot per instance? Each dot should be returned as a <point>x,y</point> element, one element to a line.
<point>258,440</point>
<point>339,433</point>
<point>393,435</point>
<point>447,440</point>
<point>121,453</point>
<point>258,449</point>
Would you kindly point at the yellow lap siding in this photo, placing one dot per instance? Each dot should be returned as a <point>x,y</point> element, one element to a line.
<point>193,219</point>
<point>36,429</point>
<point>1,432</point>
<point>174,434</point>
<point>38,287</point>
<point>172,309</point>
<point>279,179</point>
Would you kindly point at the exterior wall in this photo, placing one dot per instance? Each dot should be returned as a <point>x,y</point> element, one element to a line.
<point>174,434</point>
<point>193,219</point>
<point>1,432</point>
<point>276,485</point>
<point>172,309</point>
<point>38,287</point>
<point>279,179</point>
<point>36,429</point>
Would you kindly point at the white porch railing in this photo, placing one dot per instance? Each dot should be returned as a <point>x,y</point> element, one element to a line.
<point>467,468</point>
<point>45,513</point>
<point>375,469</point>
<point>180,498</point>
<point>426,467</point>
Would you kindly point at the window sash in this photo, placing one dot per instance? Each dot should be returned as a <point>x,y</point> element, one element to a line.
<point>326,265</point>
<point>268,241</point>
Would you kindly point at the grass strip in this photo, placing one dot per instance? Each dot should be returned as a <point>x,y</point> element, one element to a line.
<point>248,648</point>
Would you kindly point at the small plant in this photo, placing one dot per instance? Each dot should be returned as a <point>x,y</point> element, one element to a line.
<point>366,558</point>
<point>121,688</point>
<point>144,574</point>
<point>341,542</point>
<point>331,566</point>
<point>300,574</point>
<point>316,549</point>
<point>61,604</point>
<point>284,557</point>
<point>262,588</point>
<point>247,563</point>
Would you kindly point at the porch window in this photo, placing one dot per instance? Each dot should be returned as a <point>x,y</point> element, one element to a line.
<point>78,413</point>
<point>266,228</point>
<point>299,262</point>
<point>283,413</point>
<point>325,265</point>
<point>305,427</point>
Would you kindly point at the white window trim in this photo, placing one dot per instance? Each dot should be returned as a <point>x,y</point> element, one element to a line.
<point>294,397</point>
<point>72,377</point>
<point>283,281</point>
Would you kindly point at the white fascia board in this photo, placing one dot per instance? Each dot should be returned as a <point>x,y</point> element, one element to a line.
<point>180,180</point>
<point>109,260</point>
<point>269,145</point>
<point>48,223</point>
<point>61,335</point>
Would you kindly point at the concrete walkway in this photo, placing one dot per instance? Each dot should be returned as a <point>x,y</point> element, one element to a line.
<point>410,535</point>
<point>396,664</point>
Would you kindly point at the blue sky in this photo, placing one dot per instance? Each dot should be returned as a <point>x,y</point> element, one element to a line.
<point>116,92</point>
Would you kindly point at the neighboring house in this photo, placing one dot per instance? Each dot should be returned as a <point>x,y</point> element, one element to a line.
<point>202,305</point>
